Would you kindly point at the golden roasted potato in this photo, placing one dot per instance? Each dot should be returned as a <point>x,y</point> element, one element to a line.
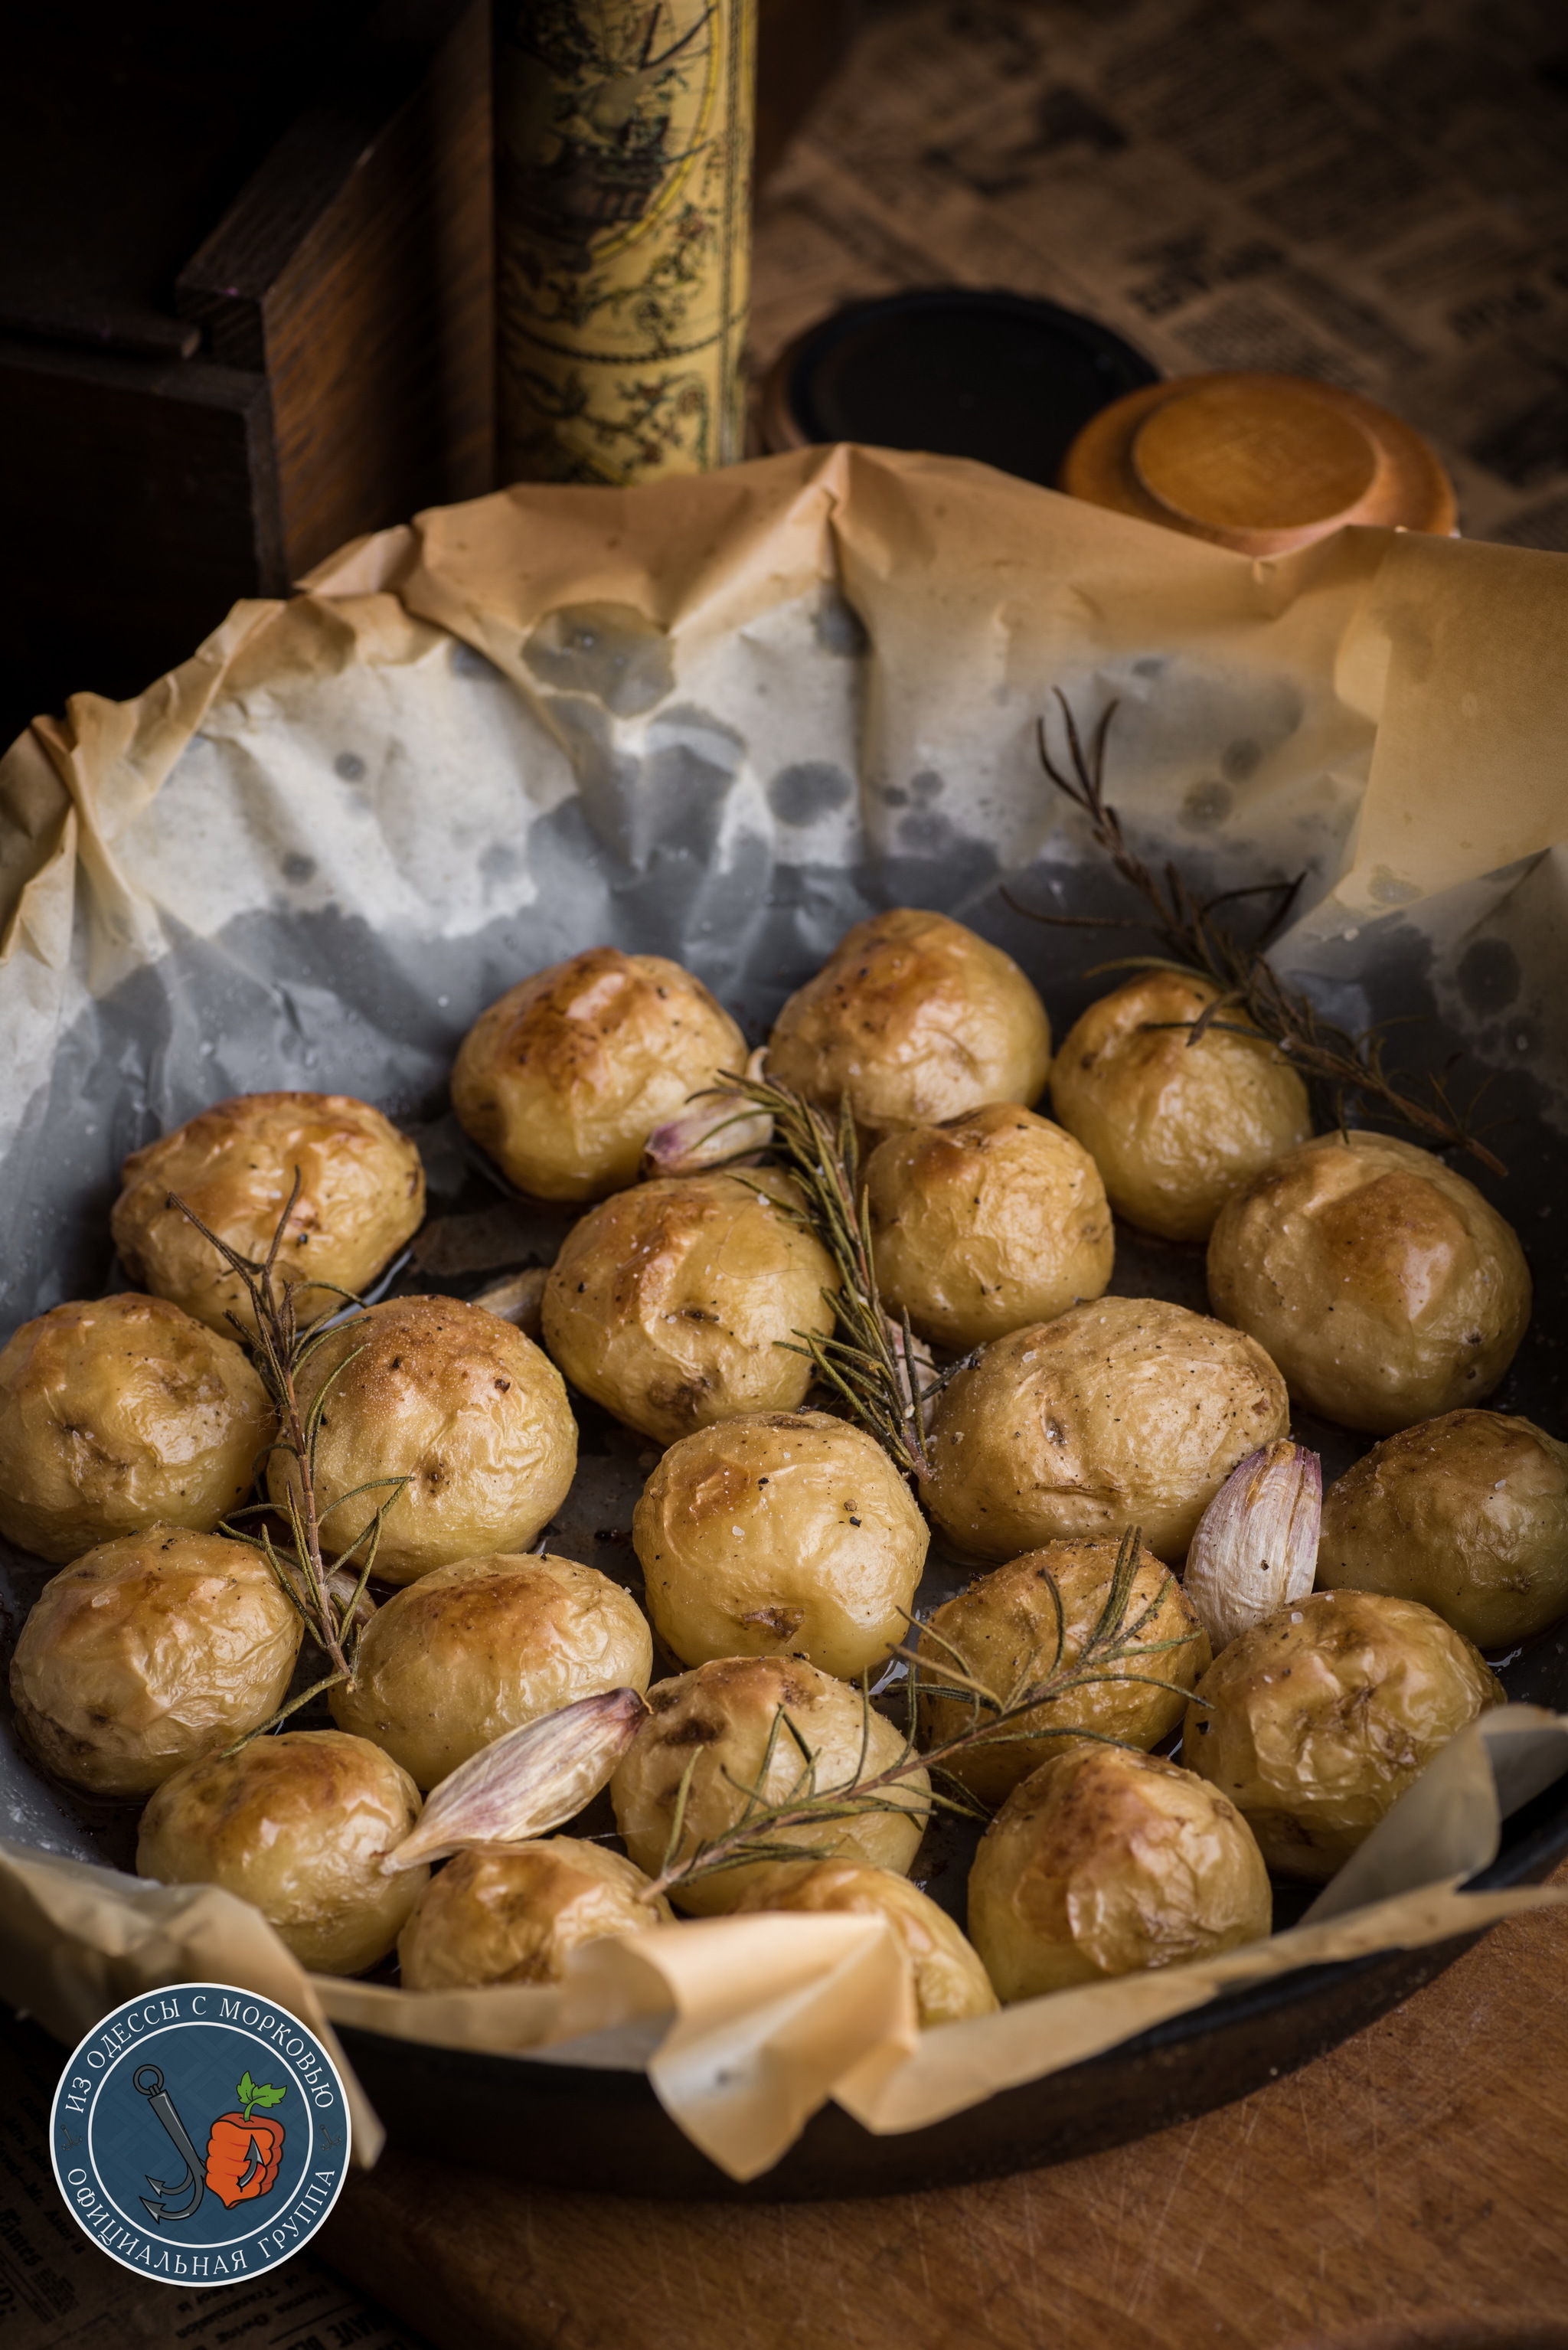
<point>670,1304</point>
<point>1382,1284</point>
<point>728,1713</point>
<point>119,1415</point>
<point>1175,1126</point>
<point>471,1651</point>
<point>1105,1863</point>
<point>1123,1413</point>
<point>1004,1630</point>
<point>149,1652</point>
<point>457,1401</point>
<point>514,1914</point>
<point>1468,1514</point>
<point>563,1080</point>
<point>949,1982</point>
<point>916,1019</point>
<point>298,1826</point>
<point>362,1195</point>
<point>782,1533</point>
<point>1315,1722</point>
<point>994,1219</point>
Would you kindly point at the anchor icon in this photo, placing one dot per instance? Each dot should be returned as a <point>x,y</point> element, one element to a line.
<point>148,2081</point>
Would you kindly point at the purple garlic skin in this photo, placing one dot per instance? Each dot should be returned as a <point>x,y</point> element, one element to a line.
<point>528,1782</point>
<point>1256,1545</point>
<point>714,1129</point>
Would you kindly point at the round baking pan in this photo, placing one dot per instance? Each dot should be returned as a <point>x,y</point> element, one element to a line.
<point>1005,377</point>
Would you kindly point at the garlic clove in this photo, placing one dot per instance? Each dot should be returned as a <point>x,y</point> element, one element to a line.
<point>715,1129</point>
<point>519,1299</point>
<point>526,1783</point>
<point>1256,1549</point>
<point>343,1583</point>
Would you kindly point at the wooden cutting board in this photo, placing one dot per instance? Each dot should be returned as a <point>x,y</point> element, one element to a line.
<point>1408,2190</point>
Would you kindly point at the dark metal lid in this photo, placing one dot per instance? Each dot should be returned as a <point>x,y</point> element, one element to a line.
<point>960,371</point>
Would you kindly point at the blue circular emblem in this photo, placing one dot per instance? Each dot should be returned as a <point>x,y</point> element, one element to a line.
<point>200,2134</point>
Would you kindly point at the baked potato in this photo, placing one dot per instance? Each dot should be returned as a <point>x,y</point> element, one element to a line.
<point>1126,1411</point>
<point>512,1914</point>
<point>564,1079</point>
<point>121,1414</point>
<point>1383,1285</point>
<point>949,1982</point>
<point>781,1533</point>
<point>362,1195</point>
<point>994,1219</point>
<point>914,1019</point>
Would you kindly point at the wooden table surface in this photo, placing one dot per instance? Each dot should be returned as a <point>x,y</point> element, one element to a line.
<point>1409,2188</point>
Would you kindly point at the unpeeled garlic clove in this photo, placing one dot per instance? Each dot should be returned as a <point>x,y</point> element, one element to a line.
<point>526,1783</point>
<point>714,1129</point>
<point>1256,1545</point>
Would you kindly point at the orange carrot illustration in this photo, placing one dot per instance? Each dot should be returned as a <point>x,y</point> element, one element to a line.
<point>244,2152</point>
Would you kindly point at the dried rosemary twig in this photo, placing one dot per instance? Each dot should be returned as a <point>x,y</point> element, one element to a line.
<point>876,1364</point>
<point>1114,1652</point>
<point>1352,1068</point>
<point>327,1598</point>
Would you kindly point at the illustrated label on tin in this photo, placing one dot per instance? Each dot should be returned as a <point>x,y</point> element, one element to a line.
<point>200,2134</point>
<point>623,236</point>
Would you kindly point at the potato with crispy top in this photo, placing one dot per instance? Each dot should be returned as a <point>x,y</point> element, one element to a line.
<point>781,1533</point>
<point>1127,1411</point>
<point>1382,1284</point>
<point>1314,1722</point>
<point>676,1305</point>
<point>735,1715</point>
<point>1174,1125</point>
<point>1468,1514</point>
<point>916,1020</point>
<point>994,1219</point>
<point>362,1195</point>
<point>1003,1632</point>
<point>1105,1863</point>
<point>949,1982</point>
<point>121,1414</point>
<point>564,1079</point>
<point>458,1404</point>
<point>474,1650</point>
<point>515,1914</point>
<point>149,1652</point>
<point>299,1825</point>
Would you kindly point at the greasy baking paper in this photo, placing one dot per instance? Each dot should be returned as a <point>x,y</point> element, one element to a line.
<point>724,720</point>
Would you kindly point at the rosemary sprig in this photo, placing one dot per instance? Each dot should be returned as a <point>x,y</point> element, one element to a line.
<point>279,1345</point>
<point>1114,1652</point>
<point>874,1363</point>
<point>1352,1068</point>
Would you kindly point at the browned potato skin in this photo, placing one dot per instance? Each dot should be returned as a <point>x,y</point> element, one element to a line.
<point>917,1019</point>
<point>725,1712</point>
<point>298,1826</point>
<point>471,1651</point>
<point>121,1414</point>
<point>1106,1863</point>
<point>362,1196</point>
<point>994,1219</point>
<point>951,1983</point>
<point>1383,1285</point>
<point>1314,1722</point>
<point>457,1401</point>
<point>515,1916</point>
<point>149,1652</point>
<point>1174,1127</point>
<point>1468,1514</point>
<point>780,1533</point>
<point>668,1303</point>
<point>1004,1630</point>
<point>1123,1413</point>
<point>564,1079</point>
